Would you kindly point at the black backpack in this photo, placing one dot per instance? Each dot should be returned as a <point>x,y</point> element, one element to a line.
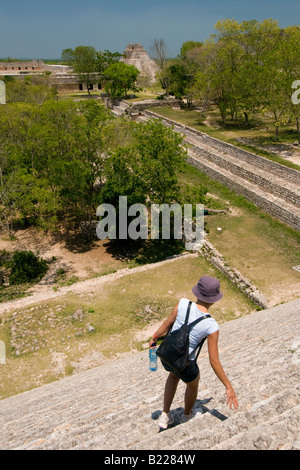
<point>174,350</point>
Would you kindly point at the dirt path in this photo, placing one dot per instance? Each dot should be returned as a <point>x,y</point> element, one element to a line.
<point>43,293</point>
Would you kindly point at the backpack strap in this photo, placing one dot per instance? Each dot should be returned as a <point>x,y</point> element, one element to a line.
<point>195,321</point>
<point>199,346</point>
<point>198,320</point>
<point>202,341</point>
<point>191,326</point>
<point>188,312</point>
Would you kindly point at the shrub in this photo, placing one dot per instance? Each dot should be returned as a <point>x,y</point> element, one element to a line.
<point>26,267</point>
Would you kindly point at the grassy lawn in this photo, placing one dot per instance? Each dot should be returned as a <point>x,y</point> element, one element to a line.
<point>149,93</point>
<point>142,95</point>
<point>79,94</point>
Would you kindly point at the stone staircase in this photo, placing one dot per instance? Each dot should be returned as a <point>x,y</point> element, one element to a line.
<point>273,187</point>
<point>120,108</point>
<point>116,406</point>
<point>275,194</point>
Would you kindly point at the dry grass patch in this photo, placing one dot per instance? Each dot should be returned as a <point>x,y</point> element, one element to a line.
<point>260,247</point>
<point>260,251</point>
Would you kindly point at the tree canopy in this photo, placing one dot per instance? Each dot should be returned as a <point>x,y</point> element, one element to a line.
<point>61,159</point>
<point>82,60</point>
<point>120,78</point>
<point>244,68</point>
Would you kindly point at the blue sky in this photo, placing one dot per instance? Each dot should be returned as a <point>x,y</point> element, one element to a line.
<point>43,28</point>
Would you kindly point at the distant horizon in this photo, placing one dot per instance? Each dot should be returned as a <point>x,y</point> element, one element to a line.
<point>24,59</point>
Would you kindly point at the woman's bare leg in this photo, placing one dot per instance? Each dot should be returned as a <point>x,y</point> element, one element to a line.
<point>191,393</point>
<point>170,390</point>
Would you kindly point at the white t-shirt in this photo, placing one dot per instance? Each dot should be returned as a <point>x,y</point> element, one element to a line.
<point>198,331</point>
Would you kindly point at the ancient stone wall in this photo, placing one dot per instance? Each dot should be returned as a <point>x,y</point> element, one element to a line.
<point>260,162</point>
<point>209,252</point>
<point>267,184</point>
<point>33,65</point>
<point>258,184</point>
<point>141,106</point>
<point>260,200</point>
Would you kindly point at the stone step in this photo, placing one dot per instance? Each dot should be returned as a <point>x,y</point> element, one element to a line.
<point>203,140</point>
<point>120,108</point>
<point>239,180</point>
<point>225,429</point>
<point>244,157</point>
<point>285,434</point>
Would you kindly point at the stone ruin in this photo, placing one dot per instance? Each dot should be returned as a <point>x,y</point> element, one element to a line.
<point>135,54</point>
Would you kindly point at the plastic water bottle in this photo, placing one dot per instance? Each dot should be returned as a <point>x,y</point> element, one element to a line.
<point>152,359</point>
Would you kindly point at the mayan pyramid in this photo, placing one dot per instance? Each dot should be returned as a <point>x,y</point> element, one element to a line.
<point>135,54</point>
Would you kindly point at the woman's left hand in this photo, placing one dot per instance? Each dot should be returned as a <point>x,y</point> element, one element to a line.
<point>152,342</point>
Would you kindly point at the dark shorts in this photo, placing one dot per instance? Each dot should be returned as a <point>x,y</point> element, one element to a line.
<point>189,374</point>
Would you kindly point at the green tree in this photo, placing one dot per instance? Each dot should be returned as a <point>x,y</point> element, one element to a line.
<point>50,158</point>
<point>104,59</point>
<point>26,267</point>
<point>83,61</point>
<point>123,178</point>
<point>147,169</point>
<point>187,47</point>
<point>161,154</point>
<point>188,60</point>
<point>164,78</point>
<point>61,159</point>
<point>212,82</point>
<point>241,69</point>
<point>290,69</point>
<point>120,78</point>
<point>30,91</point>
<point>15,188</point>
<point>274,80</point>
<point>179,79</point>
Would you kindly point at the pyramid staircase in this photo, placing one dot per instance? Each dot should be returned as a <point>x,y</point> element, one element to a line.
<point>116,406</point>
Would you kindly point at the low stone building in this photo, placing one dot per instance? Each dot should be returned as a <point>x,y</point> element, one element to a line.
<point>21,67</point>
<point>61,75</point>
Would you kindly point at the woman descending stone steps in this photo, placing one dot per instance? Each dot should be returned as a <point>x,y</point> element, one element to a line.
<point>207,292</point>
<point>116,406</point>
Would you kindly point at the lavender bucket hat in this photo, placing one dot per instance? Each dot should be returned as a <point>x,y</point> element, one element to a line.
<point>208,290</point>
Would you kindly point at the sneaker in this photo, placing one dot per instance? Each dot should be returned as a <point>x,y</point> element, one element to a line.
<point>165,420</point>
